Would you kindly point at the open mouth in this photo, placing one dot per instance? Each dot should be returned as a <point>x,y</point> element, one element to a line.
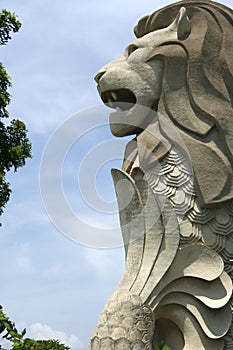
<point>122,99</point>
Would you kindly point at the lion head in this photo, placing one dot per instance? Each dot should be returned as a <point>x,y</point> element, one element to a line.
<point>135,78</point>
<point>180,66</point>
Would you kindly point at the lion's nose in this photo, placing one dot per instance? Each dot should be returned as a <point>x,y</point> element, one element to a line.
<point>99,75</point>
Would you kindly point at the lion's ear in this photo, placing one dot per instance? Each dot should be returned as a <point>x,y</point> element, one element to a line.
<point>181,24</point>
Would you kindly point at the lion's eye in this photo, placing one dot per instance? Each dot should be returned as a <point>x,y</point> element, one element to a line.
<point>131,49</point>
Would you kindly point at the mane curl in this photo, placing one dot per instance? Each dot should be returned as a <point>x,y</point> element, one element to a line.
<point>197,92</point>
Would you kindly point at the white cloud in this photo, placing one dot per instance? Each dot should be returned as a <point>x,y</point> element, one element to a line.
<point>25,263</point>
<point>105,263</point>
<point>44,332</point>
<point>52,62</point>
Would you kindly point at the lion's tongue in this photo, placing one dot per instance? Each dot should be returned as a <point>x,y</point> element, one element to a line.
<point>123,106</point>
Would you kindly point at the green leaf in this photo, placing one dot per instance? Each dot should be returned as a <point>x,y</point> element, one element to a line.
<point>8,23</point>
<point>19,343</point>
<point>161,346</point>
<point>15,146</point>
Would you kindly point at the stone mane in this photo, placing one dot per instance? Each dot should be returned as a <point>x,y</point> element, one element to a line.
<point>197,89</point>
<point>173,89</point>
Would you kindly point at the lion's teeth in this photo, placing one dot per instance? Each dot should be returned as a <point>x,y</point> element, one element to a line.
<point>111,103</point>
<point>114,95</point>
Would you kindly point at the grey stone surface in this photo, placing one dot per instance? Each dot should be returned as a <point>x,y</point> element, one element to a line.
<point>174,192</point>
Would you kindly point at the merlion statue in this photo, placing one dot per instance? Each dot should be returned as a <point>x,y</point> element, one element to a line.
<point>173,89</point>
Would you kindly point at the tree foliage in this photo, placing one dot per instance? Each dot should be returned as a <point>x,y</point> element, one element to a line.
<point>31,344</point>
<point>8,329</point>
<point>161,346</point>
<point>8,23</point>
<point>19,342</point>
<point>15,147</point>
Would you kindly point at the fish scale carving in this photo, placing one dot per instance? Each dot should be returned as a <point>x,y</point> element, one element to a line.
<point>172,89</point>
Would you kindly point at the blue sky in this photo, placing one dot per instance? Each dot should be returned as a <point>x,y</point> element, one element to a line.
<point>50,284</point>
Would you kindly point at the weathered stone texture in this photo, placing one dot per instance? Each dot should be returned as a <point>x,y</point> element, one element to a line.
<point>172,88</point>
